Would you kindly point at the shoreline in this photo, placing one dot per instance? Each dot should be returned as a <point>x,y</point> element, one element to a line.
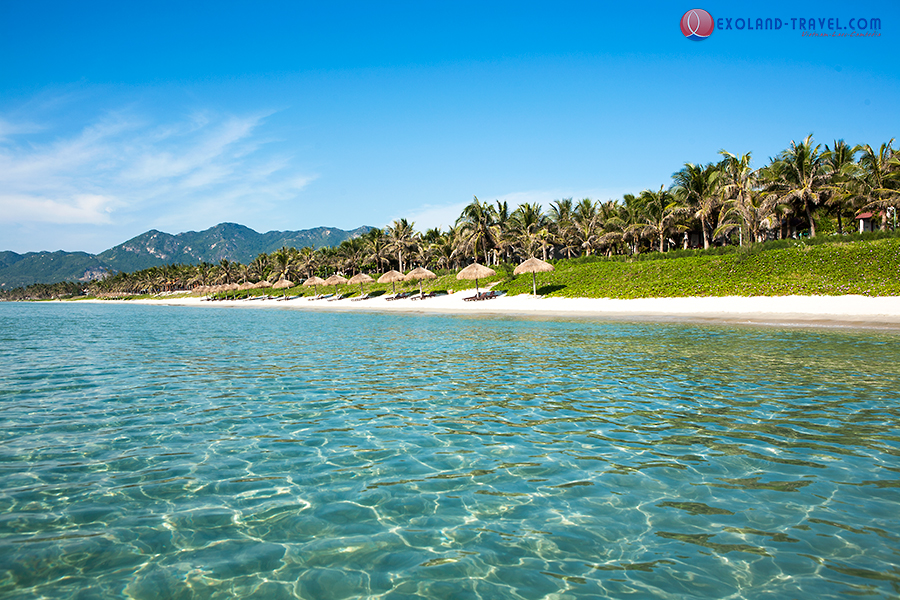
<point>881,312</point>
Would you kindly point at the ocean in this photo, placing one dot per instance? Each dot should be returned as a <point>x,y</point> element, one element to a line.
<point>183,452</point>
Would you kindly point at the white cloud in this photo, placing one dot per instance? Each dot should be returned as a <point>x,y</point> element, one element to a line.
<point>122,168</point>
<point>81,209</point>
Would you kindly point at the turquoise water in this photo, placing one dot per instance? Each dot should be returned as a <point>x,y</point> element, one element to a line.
<point>165,452</point>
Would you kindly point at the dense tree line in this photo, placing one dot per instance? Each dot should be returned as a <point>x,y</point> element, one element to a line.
<point>720,203</point>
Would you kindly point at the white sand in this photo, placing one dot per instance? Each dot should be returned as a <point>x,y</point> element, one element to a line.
<point>854,311</point>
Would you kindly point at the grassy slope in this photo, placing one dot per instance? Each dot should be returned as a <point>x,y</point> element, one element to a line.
<point>867,268</point>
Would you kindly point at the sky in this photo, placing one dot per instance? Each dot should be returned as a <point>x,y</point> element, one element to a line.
<point>120,117</point>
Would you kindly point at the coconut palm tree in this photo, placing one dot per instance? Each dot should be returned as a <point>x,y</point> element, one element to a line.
<point>377,248</point>
<point>403,239</point>
<point>504,230</point>
<point>477,228</point>
<point>587,226</point>
<point>740,196</point>
<point>802,178</point>
<point>879,179</point>
<point>259,267</point>
<point>530,229</point>
<point>659,216</point>
<point>696,186</point>
<point>282,262</point>
<point>562,226</point>
<point>841,167</point>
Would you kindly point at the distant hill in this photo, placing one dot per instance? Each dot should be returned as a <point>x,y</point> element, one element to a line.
<point>17,270</point>
<point>154,248</point>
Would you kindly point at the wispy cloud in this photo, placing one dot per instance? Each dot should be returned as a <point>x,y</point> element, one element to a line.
<point>121,167</point>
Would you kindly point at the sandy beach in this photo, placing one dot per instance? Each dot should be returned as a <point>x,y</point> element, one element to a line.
<point>834,311</point>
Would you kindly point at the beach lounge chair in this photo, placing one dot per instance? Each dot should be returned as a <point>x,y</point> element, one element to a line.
<point>400,296</point>
<point>363,297</point>
<point>338,297</point>
<point>423,296</point>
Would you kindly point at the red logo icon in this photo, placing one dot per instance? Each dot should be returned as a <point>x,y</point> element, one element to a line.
<point>697,24</point>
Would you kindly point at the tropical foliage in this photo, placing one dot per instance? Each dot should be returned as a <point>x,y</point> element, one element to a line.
<point>805,191</point>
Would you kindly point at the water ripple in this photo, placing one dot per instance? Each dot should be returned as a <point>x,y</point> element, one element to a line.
<point>170,452</point>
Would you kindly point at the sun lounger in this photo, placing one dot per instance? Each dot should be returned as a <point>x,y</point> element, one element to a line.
<point>338,297</point>
<point>423,296</point>
<point>483,296</point>
<point>363,297</point>
<point>400,296</point>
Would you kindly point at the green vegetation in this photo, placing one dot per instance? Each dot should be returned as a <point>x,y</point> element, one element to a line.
<point>866,268</point>
<point>719,228</point>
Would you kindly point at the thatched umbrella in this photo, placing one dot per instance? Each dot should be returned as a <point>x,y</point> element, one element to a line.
<point>533,265</point>
<point>246,286</point>
<point>476,272</point>
<point>392,277</point>
<point>283,284</point>
<point>263,284</point>
<point>313,282</point>
<point>336,280</point>
<point>360,278</point>
<point>420,273</point>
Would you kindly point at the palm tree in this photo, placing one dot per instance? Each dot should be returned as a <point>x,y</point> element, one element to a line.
<point>659,215</point>
<point>586,225</point>
<point>737,186</point>
<point>477,227</point>
<point>402,238</point>
<point>259,267</point>
<point>504,229</point>
<point>562,226</point>
<point>282,260</point>
<point>377,248</point>
<point>841,168</point>
<point>880,179</point>
<point>695,186</point>
<point>530,227</point>
<point>803,178</point>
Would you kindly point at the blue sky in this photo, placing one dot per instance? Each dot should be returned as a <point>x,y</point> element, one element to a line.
<point>119,117</point>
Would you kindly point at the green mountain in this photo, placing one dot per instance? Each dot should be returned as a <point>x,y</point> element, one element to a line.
<point>154,248</point>
<point>18,270</point>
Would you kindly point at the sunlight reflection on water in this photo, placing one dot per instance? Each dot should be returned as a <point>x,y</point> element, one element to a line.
<point>170,452</point>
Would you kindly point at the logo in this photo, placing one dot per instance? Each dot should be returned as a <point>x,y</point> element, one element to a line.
<point>697,24</point>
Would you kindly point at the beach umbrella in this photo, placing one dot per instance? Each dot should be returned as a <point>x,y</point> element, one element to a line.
<point>392,277</point>
<point>336,280</point>
<point>420,273</point>
<point>360,278</point>
<point>283,284</point>
<point>476,272</point>
<point>533,265</point>
<point>263,284</point>
<point>314,281</point>
<point>246,286</point>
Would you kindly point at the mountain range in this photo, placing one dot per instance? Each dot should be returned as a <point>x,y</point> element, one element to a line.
<point>155,248</point>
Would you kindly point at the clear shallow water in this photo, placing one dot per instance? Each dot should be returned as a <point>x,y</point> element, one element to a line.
<point>161,452</point>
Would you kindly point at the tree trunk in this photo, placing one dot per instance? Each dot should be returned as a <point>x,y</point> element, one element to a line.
<point>812,224</point>
<point>705,237</point>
